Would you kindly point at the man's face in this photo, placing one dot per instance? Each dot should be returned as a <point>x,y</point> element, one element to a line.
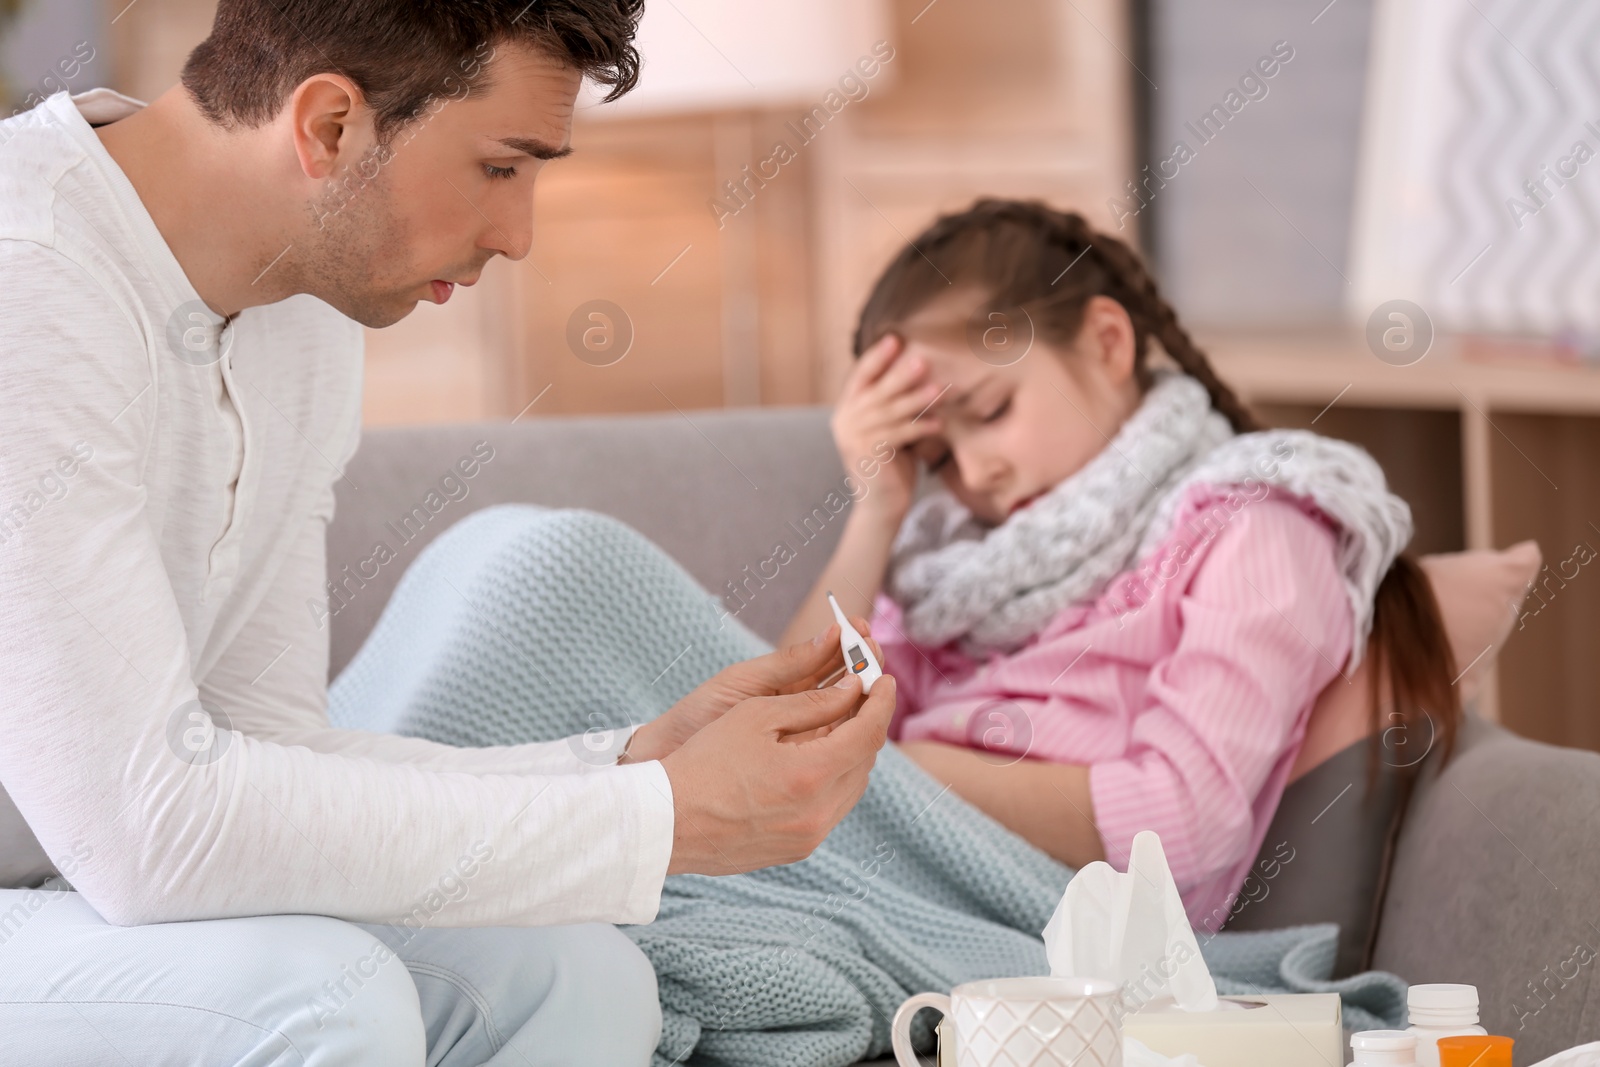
<point>407,221</point>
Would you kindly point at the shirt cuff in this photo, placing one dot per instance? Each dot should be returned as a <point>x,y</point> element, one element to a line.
<point>648,800</point>
<point>594,750</point>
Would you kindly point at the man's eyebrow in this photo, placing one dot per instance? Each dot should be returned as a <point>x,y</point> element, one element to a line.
<point>536,148</point>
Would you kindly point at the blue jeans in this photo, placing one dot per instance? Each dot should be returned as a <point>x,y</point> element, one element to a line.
<point>308,990</point>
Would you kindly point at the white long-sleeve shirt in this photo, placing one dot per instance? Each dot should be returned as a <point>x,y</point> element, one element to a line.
<point>163,502</point>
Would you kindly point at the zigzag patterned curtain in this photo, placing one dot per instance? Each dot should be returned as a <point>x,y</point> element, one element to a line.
<point>1479,195</point>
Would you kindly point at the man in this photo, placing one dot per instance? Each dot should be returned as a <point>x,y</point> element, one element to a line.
<point>181,390</point>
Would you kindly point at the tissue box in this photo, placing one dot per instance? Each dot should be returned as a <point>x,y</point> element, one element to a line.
<point>1271,1030</point>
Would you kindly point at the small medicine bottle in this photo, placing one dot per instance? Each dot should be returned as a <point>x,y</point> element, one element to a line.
<point>1475,1051</point>
<point>1384,1048</point>
<point>1441,1010</point>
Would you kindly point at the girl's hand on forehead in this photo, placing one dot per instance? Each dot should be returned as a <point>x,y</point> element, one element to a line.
<point>886,406</point>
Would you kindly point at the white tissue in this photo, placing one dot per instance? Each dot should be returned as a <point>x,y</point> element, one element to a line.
<point>1136,1053</point>
<point>1130,928</point>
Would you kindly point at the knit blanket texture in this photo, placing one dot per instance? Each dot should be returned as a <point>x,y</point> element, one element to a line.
<point>525,624</point>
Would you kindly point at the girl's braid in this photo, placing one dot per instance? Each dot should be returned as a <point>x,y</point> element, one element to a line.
<point>1135,288</point>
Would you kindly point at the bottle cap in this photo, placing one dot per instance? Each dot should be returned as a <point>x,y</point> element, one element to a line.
<point>1384,1048</point>
<point>1442,995</point>
<point>1475,1051</point>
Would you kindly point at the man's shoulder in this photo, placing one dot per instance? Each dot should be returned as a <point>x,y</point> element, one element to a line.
<point>44,243</point>
<point>33,158</point>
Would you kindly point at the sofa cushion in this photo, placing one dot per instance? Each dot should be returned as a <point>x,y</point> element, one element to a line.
<point>1479,595</point>
<point>1495,881</point>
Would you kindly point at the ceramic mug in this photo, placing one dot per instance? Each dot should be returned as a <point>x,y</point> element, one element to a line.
<point>1023,1022</point>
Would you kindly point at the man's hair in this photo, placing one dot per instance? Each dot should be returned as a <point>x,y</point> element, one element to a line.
<point>403,54</point>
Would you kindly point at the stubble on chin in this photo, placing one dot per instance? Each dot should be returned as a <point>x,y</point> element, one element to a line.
<point>349,247</point>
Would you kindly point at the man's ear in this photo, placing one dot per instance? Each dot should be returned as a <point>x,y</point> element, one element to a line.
<point>328,120</point>
<point>1107,337</point>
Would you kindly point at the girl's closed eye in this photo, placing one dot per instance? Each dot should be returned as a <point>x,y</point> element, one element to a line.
<point>999,412</point>
<point>499,172</point>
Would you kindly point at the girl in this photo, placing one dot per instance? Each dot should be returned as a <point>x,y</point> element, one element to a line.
<point>1119,607</point>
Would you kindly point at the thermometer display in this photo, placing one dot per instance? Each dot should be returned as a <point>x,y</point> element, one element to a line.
<point>858,657</point>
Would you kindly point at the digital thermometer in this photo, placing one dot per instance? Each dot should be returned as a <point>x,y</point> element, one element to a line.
<point>858,657</point>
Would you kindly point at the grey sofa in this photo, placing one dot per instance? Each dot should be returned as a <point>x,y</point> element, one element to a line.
<point>1496,871</point>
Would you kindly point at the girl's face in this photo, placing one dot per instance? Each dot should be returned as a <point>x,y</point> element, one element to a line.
<point>1010,433</point>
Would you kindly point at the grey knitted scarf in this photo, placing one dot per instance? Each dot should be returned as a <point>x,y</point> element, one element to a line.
<point>992,588</point>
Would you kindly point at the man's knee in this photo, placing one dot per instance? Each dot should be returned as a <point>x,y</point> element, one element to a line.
<point>340,991</point>
<point>583,531</point>
<point>556,994</point>
<point>567,534</point>
<point>283,989</point>
<point>618,997</point>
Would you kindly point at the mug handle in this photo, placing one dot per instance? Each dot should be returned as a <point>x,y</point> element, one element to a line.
<point>900,1028</point>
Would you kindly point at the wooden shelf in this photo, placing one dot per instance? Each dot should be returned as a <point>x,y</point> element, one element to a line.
<point>1307,367</point>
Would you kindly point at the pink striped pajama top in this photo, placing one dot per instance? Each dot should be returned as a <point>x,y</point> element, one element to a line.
<point>1185,686</point>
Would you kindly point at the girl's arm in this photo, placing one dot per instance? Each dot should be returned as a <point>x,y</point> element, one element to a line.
<point>854,574</point>
<point>1045,804</point>
<point>883,410</point>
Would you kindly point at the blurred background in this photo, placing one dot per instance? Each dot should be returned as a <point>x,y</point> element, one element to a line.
<point>1381,218</point>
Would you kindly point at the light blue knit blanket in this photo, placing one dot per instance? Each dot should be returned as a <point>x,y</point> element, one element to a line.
<point>525,624</point>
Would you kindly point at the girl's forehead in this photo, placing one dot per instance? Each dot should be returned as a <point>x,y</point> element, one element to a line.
<point>961,376</point>
<point>949,362</point>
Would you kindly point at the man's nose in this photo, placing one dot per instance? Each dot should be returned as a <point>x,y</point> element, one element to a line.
<point>509,230</point>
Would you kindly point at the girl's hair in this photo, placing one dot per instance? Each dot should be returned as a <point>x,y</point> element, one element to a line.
<point>1026,256</point>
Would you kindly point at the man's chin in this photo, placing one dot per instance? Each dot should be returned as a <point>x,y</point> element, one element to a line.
<point>387,316</point>
<point>378,313</point>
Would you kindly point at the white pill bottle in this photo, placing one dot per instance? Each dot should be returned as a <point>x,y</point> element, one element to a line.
<point>1441,1010</point>
<point>1384,1048</point>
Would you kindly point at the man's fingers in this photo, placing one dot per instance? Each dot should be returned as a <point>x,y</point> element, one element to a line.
<point>808,709</point>
<point>861,736</point>
<point>825,675</point>
<point>801,664</point>
<point>809,735</point>
<point>865,630</point>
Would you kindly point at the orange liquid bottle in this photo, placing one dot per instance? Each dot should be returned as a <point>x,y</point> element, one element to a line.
<point>1475,1051</point>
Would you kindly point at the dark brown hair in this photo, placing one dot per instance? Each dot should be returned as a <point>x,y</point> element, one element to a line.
<point>401,53</point>
<point>1028,256</point>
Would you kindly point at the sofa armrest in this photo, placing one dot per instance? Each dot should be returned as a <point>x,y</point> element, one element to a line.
<point>1496,883</point>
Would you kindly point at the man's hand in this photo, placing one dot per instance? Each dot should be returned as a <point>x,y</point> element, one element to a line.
<point>747,795</point>
<point>794,669</point>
